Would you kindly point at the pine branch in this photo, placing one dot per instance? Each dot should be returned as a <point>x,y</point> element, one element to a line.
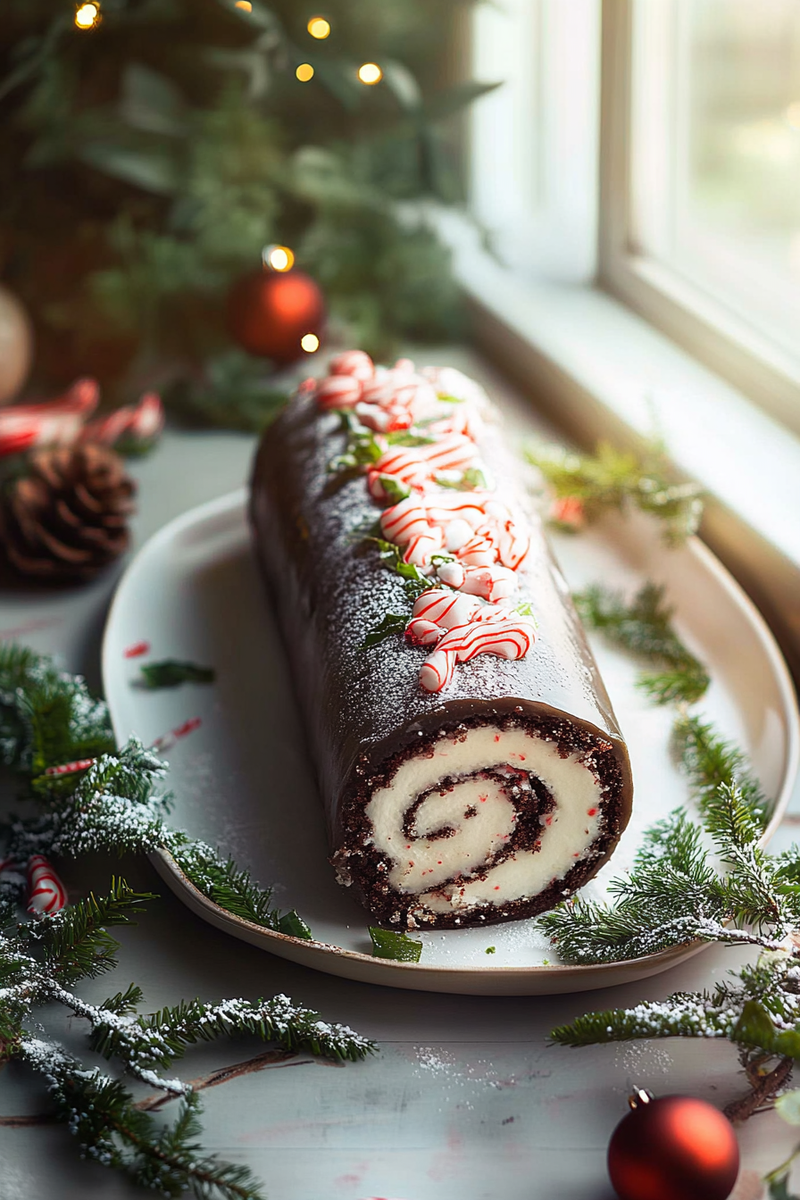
<point>613,479</point>
<point>46,716</point>
<point>711,762</point>
<point>680,1015</point>
<point>644,626</point>
<point>161,1037</point>
<point>764,1087</point>
<point>113,1131</point>
<point>232,887</point>
<point>76,943</point>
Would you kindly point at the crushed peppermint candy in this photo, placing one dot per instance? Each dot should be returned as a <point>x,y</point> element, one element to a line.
<point>460,535</point>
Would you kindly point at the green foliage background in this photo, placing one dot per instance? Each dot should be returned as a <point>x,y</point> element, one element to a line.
<point>145,163</point>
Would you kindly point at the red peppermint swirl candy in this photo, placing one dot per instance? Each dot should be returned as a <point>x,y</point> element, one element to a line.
<point>46,892</point>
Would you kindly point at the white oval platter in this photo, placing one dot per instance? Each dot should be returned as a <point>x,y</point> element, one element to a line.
<point>242,779</point>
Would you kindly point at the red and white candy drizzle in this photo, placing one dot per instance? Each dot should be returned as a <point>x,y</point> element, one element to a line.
<point>468,542</point>
<point>46,892</point>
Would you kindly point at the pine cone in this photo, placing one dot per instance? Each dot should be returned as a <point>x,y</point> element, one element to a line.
<point>66,519</point>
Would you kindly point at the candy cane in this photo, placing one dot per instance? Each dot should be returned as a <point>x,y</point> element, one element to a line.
<point>451,573</point>
<point>424,633</point>
<point>142,423</point>
<point>437,670</point>
<point>384,420</point>
<point>512,545</point>
<point>53,422</point>
<point>492,583</point>
<point>505,639</point>
<point>168,740</point>
<point>46,892</point>
<point>71,768</point>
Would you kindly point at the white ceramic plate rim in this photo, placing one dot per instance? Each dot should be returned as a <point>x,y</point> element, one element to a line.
<point>337,960</point>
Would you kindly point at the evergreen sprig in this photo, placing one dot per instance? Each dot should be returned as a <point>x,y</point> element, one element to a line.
<point>617,479</point>
<point>49,718</point>
<point>644,625</point>
<point>706,880</point>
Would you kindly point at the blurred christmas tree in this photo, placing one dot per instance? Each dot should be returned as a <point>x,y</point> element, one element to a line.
<point>149,150</point>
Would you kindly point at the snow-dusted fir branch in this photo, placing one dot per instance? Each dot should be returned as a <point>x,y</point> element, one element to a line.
<point>117,804</point>
<point>47,719</point>
<point>40,963</point>
<point>113,1132</point>
<point>707,879</point>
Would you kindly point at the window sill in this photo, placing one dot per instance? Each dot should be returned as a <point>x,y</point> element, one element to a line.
<point>599,371</point>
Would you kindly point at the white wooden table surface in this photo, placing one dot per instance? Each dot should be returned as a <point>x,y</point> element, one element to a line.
<point>466,1100</point>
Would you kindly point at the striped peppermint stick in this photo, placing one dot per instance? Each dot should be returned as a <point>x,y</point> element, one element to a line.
<point>437,670</point>
<point>168,740</point>
<point>71,768</point>
<point>46,892</point>
<point>53,422</point>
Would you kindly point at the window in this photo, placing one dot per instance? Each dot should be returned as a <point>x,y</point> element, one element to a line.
<point>701,171</point>
<point>534,140</point>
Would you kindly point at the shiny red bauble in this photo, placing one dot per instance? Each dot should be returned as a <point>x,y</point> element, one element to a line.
<point>269,312</point>
<point>673,1148</point>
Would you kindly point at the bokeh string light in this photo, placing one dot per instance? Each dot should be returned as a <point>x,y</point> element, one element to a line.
<point>87,16</point>
<point>318,27</point>
<point>244,5</point>
<point>278,258</point>
<point>310,343</point>
<point>305,72</point>
<point>370,73</point>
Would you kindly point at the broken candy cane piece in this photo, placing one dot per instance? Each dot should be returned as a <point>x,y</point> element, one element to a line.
<point>46,892</point>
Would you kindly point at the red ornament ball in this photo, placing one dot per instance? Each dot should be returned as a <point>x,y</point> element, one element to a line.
<point>673,1148</point>
<point>269,312</point>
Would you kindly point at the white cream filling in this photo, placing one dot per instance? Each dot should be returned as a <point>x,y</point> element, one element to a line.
<point>481,816</point>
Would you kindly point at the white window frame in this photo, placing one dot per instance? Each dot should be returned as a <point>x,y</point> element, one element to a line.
<point>627,354</point>
<point>694,319</point>
<point>533,165</point>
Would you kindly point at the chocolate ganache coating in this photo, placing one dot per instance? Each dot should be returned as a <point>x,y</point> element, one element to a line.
<point>366,714</point>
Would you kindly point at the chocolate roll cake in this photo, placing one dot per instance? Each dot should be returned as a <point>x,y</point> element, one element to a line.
<point>468,758</point>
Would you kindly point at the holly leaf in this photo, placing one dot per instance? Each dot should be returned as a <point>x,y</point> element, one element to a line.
<point>171,673</point>
<point>294,925</point>
<point>391,623</point>
<point>387,943</point>
<point>395,490</point>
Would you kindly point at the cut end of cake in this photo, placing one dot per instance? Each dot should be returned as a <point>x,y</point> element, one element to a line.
<point>483,820</point>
